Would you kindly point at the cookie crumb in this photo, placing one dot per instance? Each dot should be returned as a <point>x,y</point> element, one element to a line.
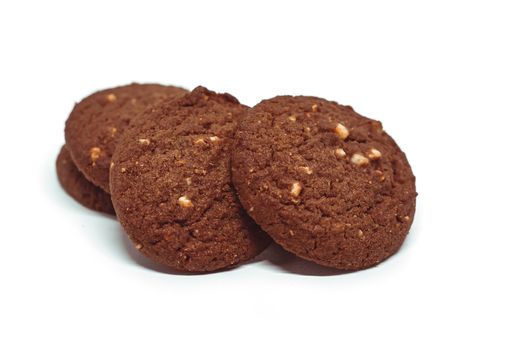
<point>188,181</point>
<point>359,159</point>
<point>314,108</point>
<point>406,218</point>
<point>341,131</point>
<point>111,97</point>
<point>184,202</point>
<point>144,142</point>
<point>122,170</point>
<point>292,117</point>
<point>360,234</point>
<point>214,138</point>
<point>251,209</point>
<point>199,141</point>
<point>339,152</point>
<point>296,189</point>
<point>94,154</point>
<point>138,246</point>
<point>373,154</point>
<point>306,169</point>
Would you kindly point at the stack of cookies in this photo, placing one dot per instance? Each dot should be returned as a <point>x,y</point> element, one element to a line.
<point>201,182</point>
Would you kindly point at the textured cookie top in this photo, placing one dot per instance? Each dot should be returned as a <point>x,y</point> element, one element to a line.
<point>326,183</point>
<point>76,185</point>
<point>171,184</point>
<point>96,123</point>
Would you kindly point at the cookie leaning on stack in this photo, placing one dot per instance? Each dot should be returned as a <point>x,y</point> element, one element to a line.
<point>171,186</point>
<point>324,182</point>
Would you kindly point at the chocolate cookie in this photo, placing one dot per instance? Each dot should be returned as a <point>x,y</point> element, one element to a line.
<point>96,123</point>
<point>171,185</point>
<point>76,185</point>
<point>325,182</point>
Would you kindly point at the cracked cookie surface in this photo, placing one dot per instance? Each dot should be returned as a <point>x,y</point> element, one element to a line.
<point>171,185</point>
<point>78,187</point>
<point>323,181</point>
<point>97,122</point>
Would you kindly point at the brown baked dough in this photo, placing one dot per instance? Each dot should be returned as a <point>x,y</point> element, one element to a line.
<point>172,189</point>
<point>323,181</point>
<point>96,123</point>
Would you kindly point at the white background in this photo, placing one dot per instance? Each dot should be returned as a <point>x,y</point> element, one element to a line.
<point>447,79</point>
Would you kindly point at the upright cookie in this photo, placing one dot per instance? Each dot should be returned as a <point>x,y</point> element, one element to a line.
<point>325,182</point>
<point>171,185</point>
<point>76,185</point>
<point>96,123</point>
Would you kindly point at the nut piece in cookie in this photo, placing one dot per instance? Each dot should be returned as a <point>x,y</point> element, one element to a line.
<point>296,189</point>
<point>373,154</point>
<point>306,170</point>
<point>94,154</point>
<point>341,131</point>
<point>185,202</point>
<point>359,159</point>
<point>339,152</point>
